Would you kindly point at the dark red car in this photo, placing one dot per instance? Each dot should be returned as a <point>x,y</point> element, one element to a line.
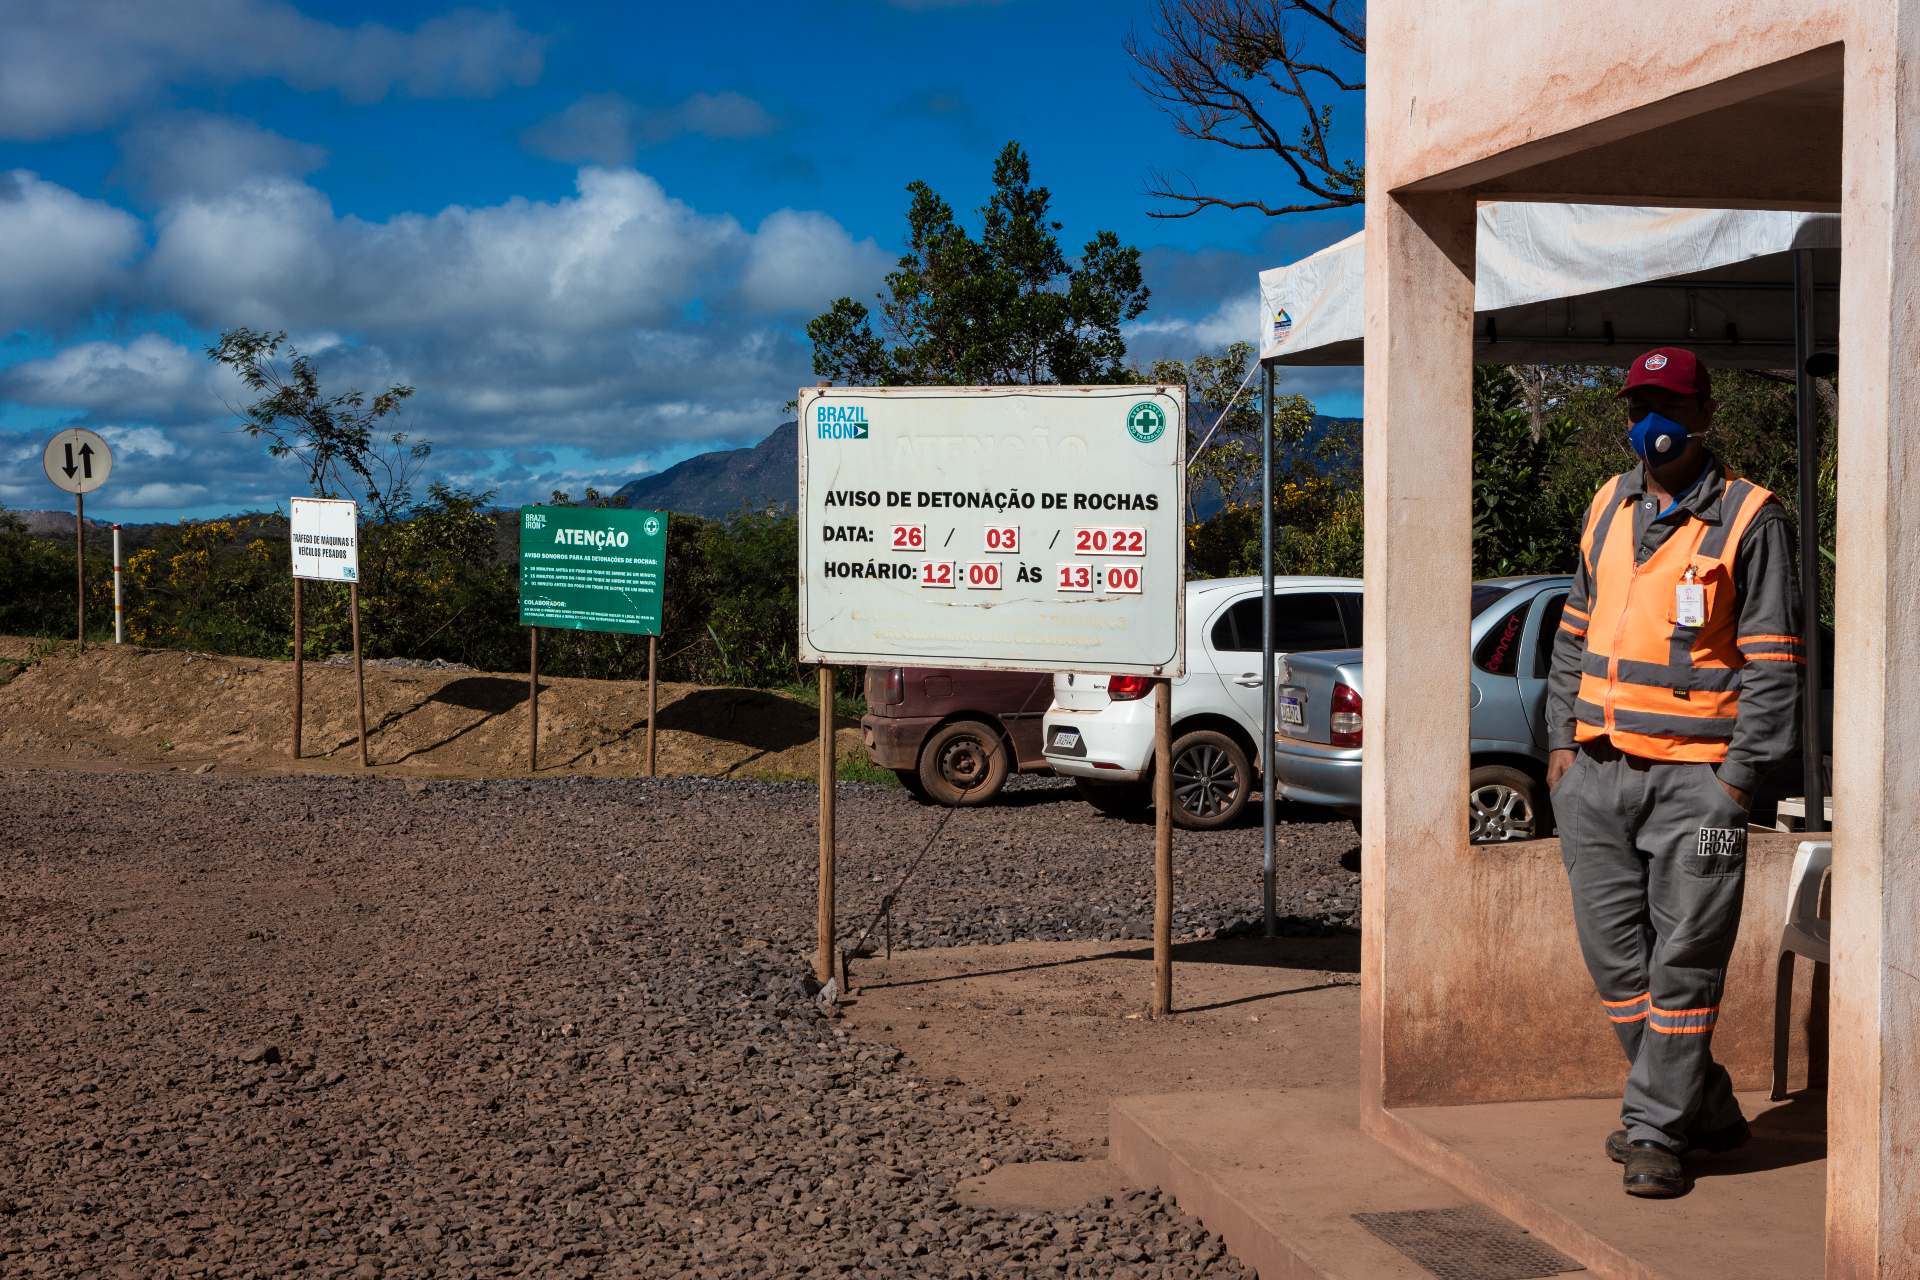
<point>955,736</point>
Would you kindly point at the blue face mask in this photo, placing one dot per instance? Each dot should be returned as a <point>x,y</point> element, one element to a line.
<point>1658,439</point>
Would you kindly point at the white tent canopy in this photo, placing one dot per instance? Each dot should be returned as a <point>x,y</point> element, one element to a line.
<point>1586,284</point>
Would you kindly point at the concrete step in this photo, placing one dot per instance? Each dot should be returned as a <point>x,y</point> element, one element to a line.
<point>1279,1175</point>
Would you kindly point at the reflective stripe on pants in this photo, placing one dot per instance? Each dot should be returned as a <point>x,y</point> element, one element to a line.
<point>1656,856</point>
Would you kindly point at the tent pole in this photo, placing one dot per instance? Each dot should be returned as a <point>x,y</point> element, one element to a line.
<point>1812,720</point>
<point>1266,654</point>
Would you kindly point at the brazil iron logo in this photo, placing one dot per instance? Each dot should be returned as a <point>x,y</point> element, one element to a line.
<point>1146,422</point>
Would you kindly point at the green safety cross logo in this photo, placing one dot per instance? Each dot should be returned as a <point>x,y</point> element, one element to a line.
<point>1146,422</point>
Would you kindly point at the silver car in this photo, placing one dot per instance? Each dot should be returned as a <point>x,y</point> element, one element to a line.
<point>1316,748</point>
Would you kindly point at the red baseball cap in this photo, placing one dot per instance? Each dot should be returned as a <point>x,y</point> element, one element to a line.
<point>1673,368</point>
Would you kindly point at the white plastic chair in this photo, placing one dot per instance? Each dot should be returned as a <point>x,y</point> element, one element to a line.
<point>1807,933</point>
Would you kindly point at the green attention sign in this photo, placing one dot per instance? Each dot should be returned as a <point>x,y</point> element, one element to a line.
<point>592,568</point>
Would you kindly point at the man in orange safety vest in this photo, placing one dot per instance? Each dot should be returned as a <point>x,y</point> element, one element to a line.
<point>1674,690</point>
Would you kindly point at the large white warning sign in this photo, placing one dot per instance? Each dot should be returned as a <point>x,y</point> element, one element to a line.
<point>326,539</point>
<point>1023,528</point>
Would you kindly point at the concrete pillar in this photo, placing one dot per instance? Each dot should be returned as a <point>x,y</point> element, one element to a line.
<point>1419,463</point>
<point>1873,1167</point>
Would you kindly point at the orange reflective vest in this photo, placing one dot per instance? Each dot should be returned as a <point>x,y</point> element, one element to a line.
<point>1660,677</point>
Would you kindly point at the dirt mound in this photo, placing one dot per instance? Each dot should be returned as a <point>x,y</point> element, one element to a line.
<point>129,704</point>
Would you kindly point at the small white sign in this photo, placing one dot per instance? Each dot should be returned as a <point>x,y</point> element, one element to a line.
<point>326,539</point>
<point>77,460</point>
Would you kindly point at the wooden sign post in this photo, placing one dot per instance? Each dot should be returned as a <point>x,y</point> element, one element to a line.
<point>653,696</point>
<point>533,699</point>
<point>823,964</point>
<point>299,666</point>
<point>1162,848</point>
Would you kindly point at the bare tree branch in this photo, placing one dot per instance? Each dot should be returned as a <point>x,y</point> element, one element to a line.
<point>1228,71</point>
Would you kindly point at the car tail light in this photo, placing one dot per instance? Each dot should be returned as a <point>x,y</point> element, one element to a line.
<point>1345,723</point>
<point>893,686</point>
<point>1127,688</point>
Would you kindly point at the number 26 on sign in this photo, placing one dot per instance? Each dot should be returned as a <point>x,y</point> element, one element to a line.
<point>908,537</point>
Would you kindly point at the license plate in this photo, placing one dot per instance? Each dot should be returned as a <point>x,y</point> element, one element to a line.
<point>1066,739</point>
<point>1291,712</point>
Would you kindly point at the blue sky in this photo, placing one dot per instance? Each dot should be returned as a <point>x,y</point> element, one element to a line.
<point>590,234</point>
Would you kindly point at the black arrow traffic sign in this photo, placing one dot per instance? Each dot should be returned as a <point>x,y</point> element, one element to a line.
<point>86,460</point>
<point>70,468</point>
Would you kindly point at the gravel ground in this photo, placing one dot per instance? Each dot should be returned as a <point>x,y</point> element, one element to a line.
<point>354,1027</point>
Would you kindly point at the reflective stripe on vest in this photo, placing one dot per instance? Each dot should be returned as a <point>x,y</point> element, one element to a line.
<point>1653,687</point>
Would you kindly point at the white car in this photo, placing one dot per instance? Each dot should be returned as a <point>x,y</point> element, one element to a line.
<point>1099,730</point>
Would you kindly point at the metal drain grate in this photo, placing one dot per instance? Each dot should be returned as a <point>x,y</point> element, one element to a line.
<point>1467,1244</point>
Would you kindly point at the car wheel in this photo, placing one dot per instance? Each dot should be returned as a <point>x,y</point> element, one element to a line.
<point>964,763</point>
<point>1211,780</point>
<point>1115,799</point>
<point>1503,804</point>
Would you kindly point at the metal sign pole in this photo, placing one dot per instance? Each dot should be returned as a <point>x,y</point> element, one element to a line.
<point>823,967</point>
<point>299,666</point>
<point>1266,659</point>
<point>1812,719</point>
<point>80,565</point>
<point>653,695</point>
<point>119,636</point>
<point>1162,848</point>
<point>359,676</point>
<point>533,699</point>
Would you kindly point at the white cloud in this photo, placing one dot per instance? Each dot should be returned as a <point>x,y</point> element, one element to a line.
<point>162,494</point>
<point>607,129</point>
<point>150,442</point>
<point>192,153</point>
<point>68,66</point>
<point>802,261</point>
<point>613,325</point>
<point>150,377</point>
<point>598,129</point>
<point>272,254</point>
<point>1235,320</point>
<point>60,253</point>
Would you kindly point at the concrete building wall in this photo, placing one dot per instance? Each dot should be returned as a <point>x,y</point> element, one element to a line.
<point>1764,103</point>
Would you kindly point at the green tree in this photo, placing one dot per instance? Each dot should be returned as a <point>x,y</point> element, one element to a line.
<point>1230,462</point>
<point>333,437</point>
<point>1004,308</point>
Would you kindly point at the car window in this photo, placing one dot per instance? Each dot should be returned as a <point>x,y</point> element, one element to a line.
<point>1499,650</point>
<point>1302,622</point>
<point>1353,611</point>
<point>1307,620</point>
<point>1549,628</point>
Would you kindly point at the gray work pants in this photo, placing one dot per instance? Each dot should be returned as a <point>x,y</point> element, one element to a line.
<point>1656,854</point>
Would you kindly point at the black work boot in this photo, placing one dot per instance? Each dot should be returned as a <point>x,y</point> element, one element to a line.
<point>1653,1172</point>
<point>1716,1141</point>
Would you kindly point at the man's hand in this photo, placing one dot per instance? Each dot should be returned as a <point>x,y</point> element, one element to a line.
<point>1559,761</point>
<point>1742,798</point>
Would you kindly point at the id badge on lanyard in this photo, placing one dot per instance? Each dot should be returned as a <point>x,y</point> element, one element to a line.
<point>1690,602</point>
